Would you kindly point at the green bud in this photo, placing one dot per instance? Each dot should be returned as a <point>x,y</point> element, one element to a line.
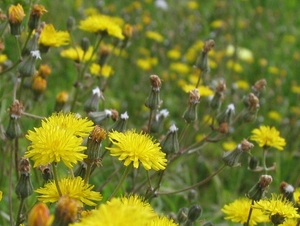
<point>153,100</point>
<point>27,66</point>
<point>98,117</point>
<point>190,114</point>
<point>70,23</point>
<point>182,214</point>
<point>14,129</point>
<point>92,103</point>
<point>121,124</point>
<point>195,212</point>
<point>170,143</point>
<point>46,172</point>
<point>157,123</point>
<point>277,219</point>
<point>202,62</point>
<point>80,170</point>
<point>192,195</point>
<point>258,190</point>
<point>189,223</point>
<point>216,101</point>
<point>253,163</point>
<point>24,186</point>
<point>85,44</point>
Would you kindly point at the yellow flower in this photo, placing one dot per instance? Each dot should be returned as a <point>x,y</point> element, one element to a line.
<point>295,89</point>
<point>16,14</point>
<point>154,36</point>
<point>238,211</point>
<point>275,116</point>
<point>289,222</point>
<point>161,221</point>
<point>74,188</point>
<point>192,5</point>
<point>174,54</point>
<point>268,136</point>
<point>273,70</point>
<point>58,139</point>
<point>131,211</point>
<point>147,63</point>
<point>137,148</point>
<point>52,38</point>
<point>297,196</point>
<point>105,71</point>
<point>229,145</point>
<point>180,68</point>
<point>242,84</point>
<point>1,194</point>
<point>235,66</point>
<point>77,54</point>
<point>101,24</point>
<point>3,58</point>
<point>277,207</point>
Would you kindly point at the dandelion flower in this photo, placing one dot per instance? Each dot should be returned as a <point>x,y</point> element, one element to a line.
<point>289,222</point>
<point>74,188</point>
<point>52,38</point>
<point>267,136</point>
<point>58,139</point>
<point>131,211</point>
<point>154,36</point>
<point>277,208</point>
<point>161,221</point>
<point>77,54</point>
<point>80,126</point>
<point>297,196</point>
<point>238,211</point>
<point>101,24</point>
<point>137,148</point>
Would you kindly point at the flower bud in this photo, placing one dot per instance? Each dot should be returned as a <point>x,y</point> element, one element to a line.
<point>191,114</point>
<point>287,191</point>
<point>38,215</point>
<point>27,66</point>
<point>277,219</point>
<point>61,100</point>
<point>15,17</point>
<point>194,213</point>
<point>127,33</point>
<point>157,123</point>
<point>121,124</point>
<point>24,187</point>
<point>202,62</point>
<point>231,158</point>
<point>192,195</point>
<point>253,163</point>
<point>85,44</point>
<point>32,44</point>
<point>14,129</point>
<point>98,117</point>
<point>47,173</point>
<point>182,215</point>
<point>94,144</point>
<point>104,53</point>
<point>70,23</point>
<point>44,70</point>
<point>258,190</point>
<point>38,86</point>
<point>153,100</point>
<point>227,115</point>
<point>65,212</point>
<point>170,143</point>
<point>92,103</point>
<point>251,103</point>
<point>259,86</point>
<point>36,12</point>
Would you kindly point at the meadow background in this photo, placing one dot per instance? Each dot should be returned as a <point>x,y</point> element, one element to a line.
<point>253,40</point>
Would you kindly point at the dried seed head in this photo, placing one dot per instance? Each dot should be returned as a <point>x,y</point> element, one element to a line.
<point>208,45</point>
<point>155,81</point>
<point>16,109</point>
<point>246,145</point>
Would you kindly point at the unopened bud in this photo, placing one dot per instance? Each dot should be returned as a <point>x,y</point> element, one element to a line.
<point>61,100</point>
<point>258,190</point>
<point>92,103</point>
<point>253,163</point>
<point>38,215</point>
<point>27,66</point>
<point>14,129</point>
<point>36,12</point>
<point>170,143</point>
<point>157,123</point>
<point>66,211</point>
<point>287,191</point>
<point>46,172</point>
<point>194,213</point>
<point>98,117</point>
<point>259,86</point>
<point>24,187</point>
<point>192,195</point>
<point>191,114</point>
<point>121,124</point>
<point>182,215</point>
<point>70,23</point>
<point>85,44</point>
<point>15,17</point>
<point>104,53</point>
<point>153,100</point>
<point>202,62</point>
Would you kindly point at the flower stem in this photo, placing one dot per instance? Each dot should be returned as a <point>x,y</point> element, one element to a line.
<point>193,186</point>
<point>150,121</point>
<point>120,182</point>
<point>250,213</point>
<point>265,151</point>
<point>54,165</point>
<point>87,173</point>
<point>18,221</point>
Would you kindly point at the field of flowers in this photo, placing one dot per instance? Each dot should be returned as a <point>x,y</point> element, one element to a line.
<point>151,112</point>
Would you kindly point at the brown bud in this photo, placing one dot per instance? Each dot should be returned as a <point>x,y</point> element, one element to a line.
<point>155,81</point>
<point>98,134</point>
<point>16,109</point>
<point>194,96</point>
<point>24,165</point>
<point>208,45</point>
<point>246,145</point>
<point>259,85</point>
<point>114,114</point>
<point>223,127</point>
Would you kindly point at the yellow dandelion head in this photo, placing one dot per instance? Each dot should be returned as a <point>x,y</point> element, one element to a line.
<point>275,116</point>
<point>77,54</point>
<point>154,36</point>
<point>174,54</point>
<point>297,196</point>
<point>74,188</point>
<point>103,24</point>
<point>52,38</point>
<point>16,14</point>
<point>267,136</point>
<point>3,58</point>
<point>238,211</point>
<point>180,68</point>
<point>136,148</point>
<point>162,221</point>
<point>277,206</point>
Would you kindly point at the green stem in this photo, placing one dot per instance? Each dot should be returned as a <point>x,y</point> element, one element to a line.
<point>265,151</point>
<point>87,173</point>
<point>120,182</point>
<point>18,222</point>
<point>249,214</point>
<point>150,120</point>
<point>54,165</point>
<point>18,46</point>
<point>193,186</point>
<point>16,148</point>
<point>4,28</point>
<point>183,132</point>
<point>10,188</point>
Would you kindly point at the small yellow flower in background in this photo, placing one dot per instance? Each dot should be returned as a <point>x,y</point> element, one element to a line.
<point>147,64</point>
<point>277,207</point>
<point>242,53</point>
<point>1,194</point>
<point>174,54</point>
<point>192,5</point>
<point>77,54</point>
<point>39,84</point>
<point>58,139</point>
<point>52,38</point>
<point>217,24</point>
<point>102,24</point>
<point>273,70</point>
<point>205,91</point>
<point>131,211</point>
<point>3,58</point>
<point>74,188</point>
<point>275,116</point>
<point>295,89</point>
<point>267,136</point>
<point>238,212</point>
<point>16,14</point>
<point>242,84</point>
<point>136,148</point>
<point>235,66</point>
<point>289,38</point>
<point>229,145</point>
<point>105,71</point>
<point>180,68</point>
<point>91,11</point>
<point>154,36</point>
